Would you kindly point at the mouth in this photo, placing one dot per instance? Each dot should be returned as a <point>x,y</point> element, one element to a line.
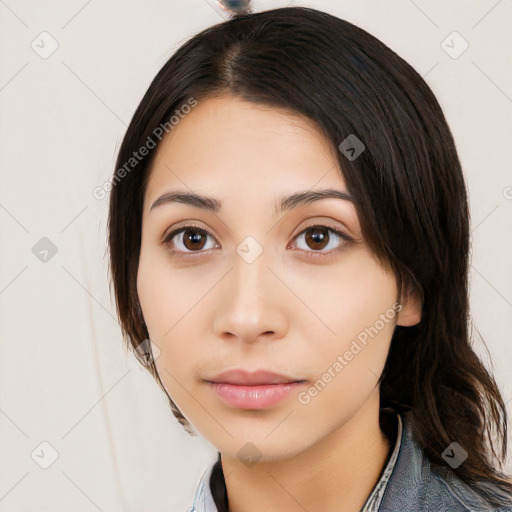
<point>241,377</point>
<point>255,396</point>
<point>257,390</point>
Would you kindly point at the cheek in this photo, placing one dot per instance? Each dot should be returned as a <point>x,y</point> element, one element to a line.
<point>152,294</point>
<point>173,304</point>
<point>358,306</point>
<point>346,298</point>
<point>169,297</point>
<point>347,371</point>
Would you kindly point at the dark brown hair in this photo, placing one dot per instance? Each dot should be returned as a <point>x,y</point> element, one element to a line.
<point>407,185</point>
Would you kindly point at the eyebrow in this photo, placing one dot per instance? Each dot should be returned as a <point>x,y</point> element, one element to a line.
<point>285,203</point>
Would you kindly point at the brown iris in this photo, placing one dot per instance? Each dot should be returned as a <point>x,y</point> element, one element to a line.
<point>316,238</point>
<point>195,240</point>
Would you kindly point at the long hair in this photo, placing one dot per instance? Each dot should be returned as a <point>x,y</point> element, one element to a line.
<point>407,185</point>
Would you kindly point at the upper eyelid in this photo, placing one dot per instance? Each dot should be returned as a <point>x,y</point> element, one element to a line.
<point>173,232</point>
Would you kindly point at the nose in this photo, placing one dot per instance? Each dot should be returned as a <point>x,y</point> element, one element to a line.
<point>251,303</point>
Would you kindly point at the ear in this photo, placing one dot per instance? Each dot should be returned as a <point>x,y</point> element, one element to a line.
<point>410,314</point>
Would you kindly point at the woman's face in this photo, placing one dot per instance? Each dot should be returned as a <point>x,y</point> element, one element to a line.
<point>252,286</point>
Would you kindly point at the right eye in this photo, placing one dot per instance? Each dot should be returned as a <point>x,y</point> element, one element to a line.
<point>189,239</point>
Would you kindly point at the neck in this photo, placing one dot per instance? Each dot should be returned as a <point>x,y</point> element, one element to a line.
<point>337,473</point>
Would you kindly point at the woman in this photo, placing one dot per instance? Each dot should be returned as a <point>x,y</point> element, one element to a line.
<point>289,226</point>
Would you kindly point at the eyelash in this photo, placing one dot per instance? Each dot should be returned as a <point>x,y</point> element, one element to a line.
<point>315,254</point>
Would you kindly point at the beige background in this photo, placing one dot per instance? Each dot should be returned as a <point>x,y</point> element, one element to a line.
<point>64,377</point>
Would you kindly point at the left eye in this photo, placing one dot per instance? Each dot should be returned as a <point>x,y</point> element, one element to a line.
<point>317,237</point>
<point>190,239</point>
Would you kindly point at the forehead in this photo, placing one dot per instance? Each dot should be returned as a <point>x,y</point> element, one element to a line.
<point>229,145</point>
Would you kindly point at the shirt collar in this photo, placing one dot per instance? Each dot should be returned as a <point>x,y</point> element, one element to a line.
<point>373,502</point>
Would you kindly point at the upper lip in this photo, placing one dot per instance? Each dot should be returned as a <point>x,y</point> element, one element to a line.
<point>252,378</point>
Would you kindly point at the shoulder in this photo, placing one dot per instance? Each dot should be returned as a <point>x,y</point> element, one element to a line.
<point>416,484</point>
<point>467,498</point>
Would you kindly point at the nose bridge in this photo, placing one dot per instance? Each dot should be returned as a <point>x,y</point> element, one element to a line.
<point>249,304</point>
<point>250,273</point>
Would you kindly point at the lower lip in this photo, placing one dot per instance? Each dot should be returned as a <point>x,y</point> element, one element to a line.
<point>254,397</point>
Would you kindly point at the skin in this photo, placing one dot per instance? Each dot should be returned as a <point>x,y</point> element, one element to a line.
<point>287,311</point>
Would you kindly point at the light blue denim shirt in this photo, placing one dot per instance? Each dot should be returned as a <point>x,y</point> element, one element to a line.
<point>409,483</point>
